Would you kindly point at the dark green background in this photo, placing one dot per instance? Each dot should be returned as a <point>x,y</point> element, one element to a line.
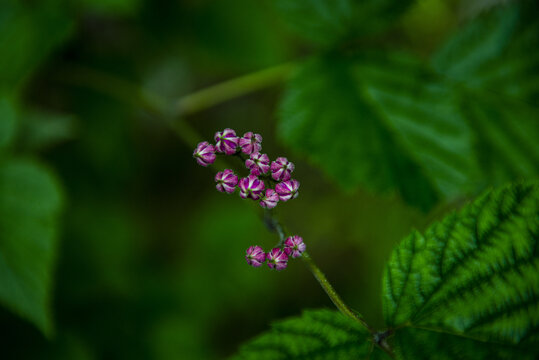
<point>150,260</point>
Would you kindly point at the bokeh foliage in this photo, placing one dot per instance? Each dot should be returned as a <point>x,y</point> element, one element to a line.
<point>409,117</point>
<point>423,127</point>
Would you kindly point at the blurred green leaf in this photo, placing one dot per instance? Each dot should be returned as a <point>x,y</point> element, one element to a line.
<point>391,123</point>
<point>326,22</point>
<point>469,287</point>
<point>322,21</point>
<point>384,123</point>
<point>488,62</point>
<point>234,34</point>
<point>8,121</point>
<point>30,202</point>
<point>42,129</point>
<point>29,32</point>
<point>480,41</point>
<point>422,33</point>
<point>112,7</point>
<point>507,134</point>
<point>317,334</point>
<point>491,54</point>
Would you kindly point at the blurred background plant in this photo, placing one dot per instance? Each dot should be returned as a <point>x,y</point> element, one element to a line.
<point>114,243</point>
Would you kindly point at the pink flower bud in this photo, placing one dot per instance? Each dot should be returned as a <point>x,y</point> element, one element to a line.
<point>277,259</point>
<point>204,153</point>
<point>227,141</point>
<point>255,256</point>
<point>294,246</point>
<point>270,199</point>
<point>287,189</point>
<point>281,169</point>
<point>258,163</point>
<point>250,143</point>
<point>251,186</point>
<point>226,181</point>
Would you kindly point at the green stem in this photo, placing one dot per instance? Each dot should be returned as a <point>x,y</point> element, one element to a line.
<point>230,89</point>
<point>330,291</point>
<point>135,95</point>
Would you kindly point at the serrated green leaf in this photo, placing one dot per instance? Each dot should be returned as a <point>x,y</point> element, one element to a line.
<point>469,287</point>
<point>477,43</point>
<point>490,65</point>
<point>383,123</point>
<point>30,202</point>
<point>316,335</point>
<point>327,22</point>
<point>507,133</point>
<point>322,21</point>
<point>491,54</point>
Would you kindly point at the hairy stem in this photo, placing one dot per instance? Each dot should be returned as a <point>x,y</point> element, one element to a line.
<point>137,96</point>
<point>274,225</point>
<point>330,291</point>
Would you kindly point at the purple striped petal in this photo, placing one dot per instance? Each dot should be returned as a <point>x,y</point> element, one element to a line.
<point>270,199</point>
<point>294,246</point>
<point>226,181</point>
<point>250,143</point>
<point>258,163</point>
<point>204,153</point>
<point>255,256</point>
<point>281,169</point>
<point>277,259</point>
<point>287,189</point>
<point>251,186</point>
<point>226,141</point>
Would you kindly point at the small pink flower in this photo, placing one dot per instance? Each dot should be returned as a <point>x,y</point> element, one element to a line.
<point>277,259</point>
<point>251,186</point>
<point>270,199</point>
<point>281,169</point>
<point>227,141</point>
<point>287,189</point>
<point>250,143</point>
<point>294,245</point>
<point>204,153</point>
<point>226,181</point>
<point>255,256</point>
<point>258,163</point>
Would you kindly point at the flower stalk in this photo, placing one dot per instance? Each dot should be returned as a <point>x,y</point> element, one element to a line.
<point>137,96</point>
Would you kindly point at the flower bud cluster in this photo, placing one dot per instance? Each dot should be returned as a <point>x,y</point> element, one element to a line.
<point>277,173</point>
<point>277,258</point>
<point>260,168</point>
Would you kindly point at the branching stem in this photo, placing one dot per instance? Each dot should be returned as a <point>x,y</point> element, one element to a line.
<point>135,95</point>
<point>318,274</point>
